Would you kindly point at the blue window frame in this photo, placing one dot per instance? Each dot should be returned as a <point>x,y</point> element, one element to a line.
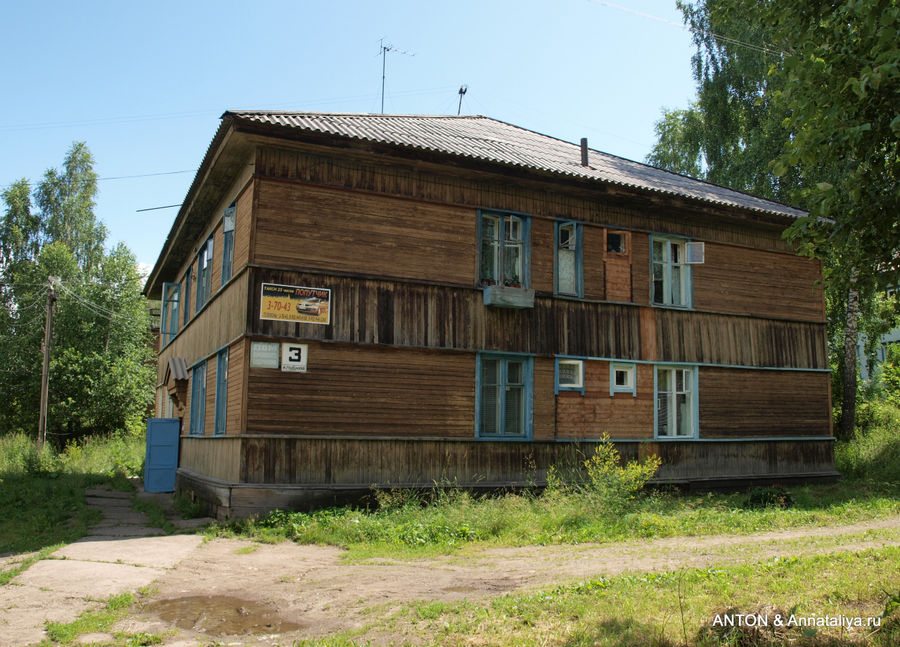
<point>677,411</point>
<point>187,294</point>
<point>504,249</point>
<point>198,399</point>
<point>228,242</point>
<point>504,403</point>
<point>670,274</point>
<point>204,273</point>
<point>168,324</point>
<point>221,391</point>
<point>569,275</point>
<point>622,378</point>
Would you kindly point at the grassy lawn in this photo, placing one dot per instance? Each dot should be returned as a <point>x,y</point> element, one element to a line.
<point>667,609</point>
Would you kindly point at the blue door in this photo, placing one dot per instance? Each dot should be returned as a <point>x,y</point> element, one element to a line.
<point>162,454</point>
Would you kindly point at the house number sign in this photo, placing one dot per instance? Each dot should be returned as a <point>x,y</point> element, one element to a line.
<point>293,357</point>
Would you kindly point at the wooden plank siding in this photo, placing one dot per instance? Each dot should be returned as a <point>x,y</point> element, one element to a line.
<point>361,462</point>
<point>599,204</point>
<point>746,403</point>
<point>640,268</point>
<point>426,316</point>
<point>235,389</point>
<point>683,336</point>
<point>215,457</point>
<point>354,390</point>
<point>622,415</point>
<point>223,320</point>
<point>209,415</point>
<point>299,225</point>
<point>758,283</point>
<point>593,248</point>
<point>242,223</point>
<point>543,252</point>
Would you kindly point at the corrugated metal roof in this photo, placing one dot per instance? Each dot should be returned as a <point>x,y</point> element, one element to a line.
<point>487,139</point>
<point>177,369</point>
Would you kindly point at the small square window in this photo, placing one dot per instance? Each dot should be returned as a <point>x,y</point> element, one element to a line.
<point>615,242</point>
<point>571,374</point>
<point>621,379</point>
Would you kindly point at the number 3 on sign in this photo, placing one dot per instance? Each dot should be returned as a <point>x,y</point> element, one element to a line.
<point>293,357</point>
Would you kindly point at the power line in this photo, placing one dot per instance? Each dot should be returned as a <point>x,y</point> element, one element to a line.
<point>727,39</point>
<point>129,177</point>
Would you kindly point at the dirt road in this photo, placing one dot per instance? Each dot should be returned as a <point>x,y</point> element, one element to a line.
<point>243,593</point>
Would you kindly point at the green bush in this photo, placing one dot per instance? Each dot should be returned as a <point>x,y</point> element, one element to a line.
<point>612,484</point>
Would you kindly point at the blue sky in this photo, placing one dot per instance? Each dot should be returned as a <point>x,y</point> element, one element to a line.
<point>144,84</point>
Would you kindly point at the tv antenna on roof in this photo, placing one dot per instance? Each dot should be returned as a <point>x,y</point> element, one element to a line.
<point>385,48</point>
<point>462,91</point>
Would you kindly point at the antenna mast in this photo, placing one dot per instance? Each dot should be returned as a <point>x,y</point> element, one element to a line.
<point>385,48</point>
<point>462,91</point>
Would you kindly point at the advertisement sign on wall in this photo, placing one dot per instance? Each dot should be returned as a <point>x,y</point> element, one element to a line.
<point>295,303</point>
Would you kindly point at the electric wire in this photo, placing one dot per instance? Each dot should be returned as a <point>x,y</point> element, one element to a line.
<point>727,39</point>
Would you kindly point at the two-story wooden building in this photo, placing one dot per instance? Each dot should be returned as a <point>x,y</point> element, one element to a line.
<point>352,300</point>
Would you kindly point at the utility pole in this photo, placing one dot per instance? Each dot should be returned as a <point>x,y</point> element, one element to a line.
<point>45,374</point>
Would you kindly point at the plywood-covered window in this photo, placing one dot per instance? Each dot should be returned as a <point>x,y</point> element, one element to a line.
<point>221,391</point>
<point>228,242</point>
<point>198,399</point>
<point>569,271</point>
<point>676,402</point>
<point>671,276</point>
<point>504,396</point>
<point>168,325</point>
<point>503,250</point>
<point>204,273</point>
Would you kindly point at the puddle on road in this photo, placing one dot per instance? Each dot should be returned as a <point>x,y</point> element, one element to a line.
<point>217,614</point>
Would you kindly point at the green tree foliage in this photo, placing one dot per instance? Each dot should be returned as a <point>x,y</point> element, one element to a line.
<point>731,133</point>
<point>799,102</point>
<point>101,360</point>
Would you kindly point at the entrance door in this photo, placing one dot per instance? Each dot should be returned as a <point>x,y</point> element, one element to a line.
<point>162,454</point>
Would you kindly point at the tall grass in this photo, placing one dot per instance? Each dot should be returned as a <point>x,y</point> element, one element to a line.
<point>873,454</point>
<point>42,501</point>
<point>102,456</point>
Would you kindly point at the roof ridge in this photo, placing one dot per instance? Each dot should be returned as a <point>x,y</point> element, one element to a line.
<point>354,114</point>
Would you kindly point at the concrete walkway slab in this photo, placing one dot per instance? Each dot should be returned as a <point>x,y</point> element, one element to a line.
<point>23,611</point>
<point>95,580</point>
<point>156,552</point>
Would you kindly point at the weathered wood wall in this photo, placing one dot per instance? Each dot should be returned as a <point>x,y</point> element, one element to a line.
<point>595,413</point>
<point>412,314</point>
<point>743,403</point>
<point>440,183</point>
<point>311,227</point>
<point>364,462</point>
<point>216,457</point>
<point>759,284</point>
<point>236,373</point>
<point>366,391</point>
